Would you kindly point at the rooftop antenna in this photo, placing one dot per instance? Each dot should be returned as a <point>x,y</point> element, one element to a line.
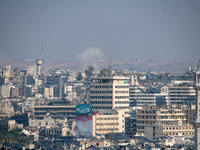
<point>110,59</point>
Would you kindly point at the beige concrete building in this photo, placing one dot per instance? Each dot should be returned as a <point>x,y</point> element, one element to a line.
<point>178,130</point>
<point>31,70</point>
<point>5,90</point>
<point>46,122</point>
<point>49,92</point>
<point>6,71</point>
<point>113,122</point>
<point>6,109</point>
<point>86,143</point>
<point>174,121</point>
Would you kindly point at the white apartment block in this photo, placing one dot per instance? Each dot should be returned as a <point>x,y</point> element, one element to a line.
<point>109,92</point>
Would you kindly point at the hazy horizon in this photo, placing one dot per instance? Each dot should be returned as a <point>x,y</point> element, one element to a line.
<point>89,30</point>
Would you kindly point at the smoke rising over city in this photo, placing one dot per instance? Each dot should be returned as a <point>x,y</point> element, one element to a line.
<point>89,57</point>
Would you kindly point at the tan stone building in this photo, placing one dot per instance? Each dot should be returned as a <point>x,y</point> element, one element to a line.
<point>113,122</point>
<point>175,121</point>
<point>49,92</point>
<point>178,130</point>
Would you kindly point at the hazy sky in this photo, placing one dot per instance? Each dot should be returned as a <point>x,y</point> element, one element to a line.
<point>165,30</point>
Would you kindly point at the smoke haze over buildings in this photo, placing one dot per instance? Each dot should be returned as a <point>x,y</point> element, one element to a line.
<point>89,57</point>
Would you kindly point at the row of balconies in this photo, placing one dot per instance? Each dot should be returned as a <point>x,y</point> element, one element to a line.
<point>146,119</point>
<point>189,130</point>
<point>146,112</point>
<point>177,133</point>
<point>107,127</point>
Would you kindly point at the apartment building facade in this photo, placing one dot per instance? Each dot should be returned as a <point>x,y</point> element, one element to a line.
<point>174,121</point>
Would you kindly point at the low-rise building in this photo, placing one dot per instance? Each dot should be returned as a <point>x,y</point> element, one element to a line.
<point>7,124</point>
<point>68,111</point>
<point>5,90</point>
<point>113,122</point>
<point>178,130</point>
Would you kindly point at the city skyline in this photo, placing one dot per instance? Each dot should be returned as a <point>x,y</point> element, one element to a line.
<point>158,30</point>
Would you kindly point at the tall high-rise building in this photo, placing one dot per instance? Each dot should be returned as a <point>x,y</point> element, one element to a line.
<point>197,122</point>
<point>108,92</point>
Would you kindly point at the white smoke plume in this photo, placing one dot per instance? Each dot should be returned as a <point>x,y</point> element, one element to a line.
<point>89,57</point>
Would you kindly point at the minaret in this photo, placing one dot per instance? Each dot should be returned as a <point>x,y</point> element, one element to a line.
<point>197,121</point>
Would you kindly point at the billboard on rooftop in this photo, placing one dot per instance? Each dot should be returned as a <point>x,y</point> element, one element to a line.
<point>83,126</point>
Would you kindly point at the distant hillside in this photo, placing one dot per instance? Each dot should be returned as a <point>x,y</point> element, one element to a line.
<point>139,66</point>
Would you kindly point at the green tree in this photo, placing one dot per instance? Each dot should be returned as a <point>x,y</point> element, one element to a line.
<point>79,77</point>
<point>11,136</point>
<point>126,141</point>
<point>108,136</point>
